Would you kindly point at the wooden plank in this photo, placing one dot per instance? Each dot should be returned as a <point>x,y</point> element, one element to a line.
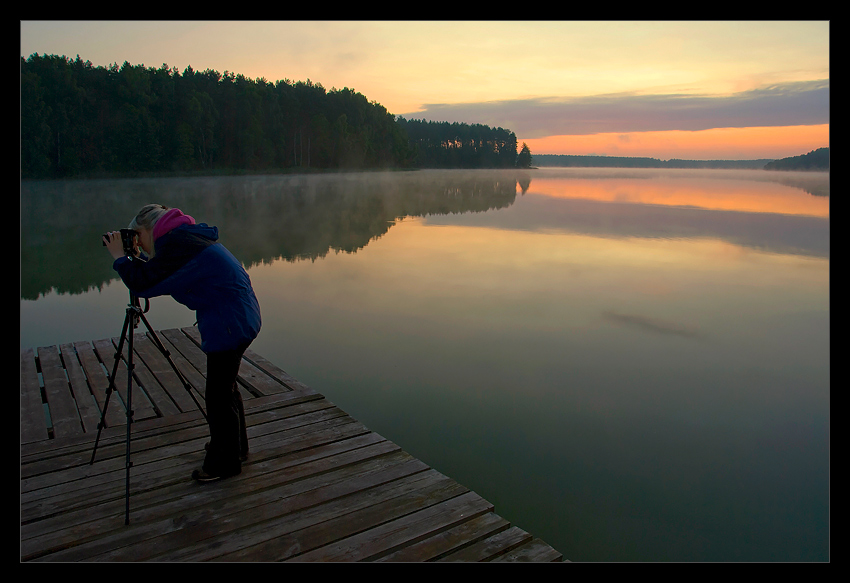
<point>491,547</point>
<point>276,373</point>
<point>109,462</point>
<point>60,402</point>
<point>317,485</point>
<point>449,541</point>
<point>86,405</point>
<point>229,495</point>
<point>265,473</point>
<point>163,473</point>
<point>348,524</point>
<point>142,406</point>
<point>33,421</point>
<point>535,551</point>
<point>189,351</point>
<point>53,449</point>
<point>185,537</point>
<point>297,418</point>
<point>99,382</point>
<point>256,379</point>
<point>314,526</point>
<point>164,388</point>
<point>107,349</point>
<point>303,429</point>
<point>178,345</point>
<point>407,529</point>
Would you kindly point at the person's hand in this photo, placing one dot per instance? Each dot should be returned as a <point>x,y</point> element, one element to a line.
<point>114,244</point>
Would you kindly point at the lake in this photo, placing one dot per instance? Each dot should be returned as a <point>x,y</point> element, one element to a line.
<point>632,365</point>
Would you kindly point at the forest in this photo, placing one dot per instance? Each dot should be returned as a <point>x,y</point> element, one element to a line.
<point>457,145</point>
<point>815,160</point>
<point>82,120</point>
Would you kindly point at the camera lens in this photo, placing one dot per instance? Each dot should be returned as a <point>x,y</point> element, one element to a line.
<point>128,239</point>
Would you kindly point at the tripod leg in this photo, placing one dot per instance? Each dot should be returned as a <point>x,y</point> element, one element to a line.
<point>111,388</point>
<point>128,463</point>
<point>133,314</point>
<point>167,356</point>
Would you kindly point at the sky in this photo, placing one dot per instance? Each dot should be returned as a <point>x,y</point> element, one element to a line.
<point>666,89</point>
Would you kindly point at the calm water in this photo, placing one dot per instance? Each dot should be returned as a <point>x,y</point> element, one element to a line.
<point>632,365</point>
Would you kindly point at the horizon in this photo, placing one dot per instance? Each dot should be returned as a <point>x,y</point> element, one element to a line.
<point>666,90</point>
<point>672,159</point>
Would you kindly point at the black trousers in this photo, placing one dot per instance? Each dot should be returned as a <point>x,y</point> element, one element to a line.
<point>225,413</point>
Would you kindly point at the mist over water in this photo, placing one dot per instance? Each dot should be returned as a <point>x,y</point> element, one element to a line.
<point>632,365</point>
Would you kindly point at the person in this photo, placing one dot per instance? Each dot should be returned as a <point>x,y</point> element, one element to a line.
<point>185,260</point>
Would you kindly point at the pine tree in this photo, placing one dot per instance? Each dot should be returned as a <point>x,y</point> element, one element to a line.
<point>523,159</point>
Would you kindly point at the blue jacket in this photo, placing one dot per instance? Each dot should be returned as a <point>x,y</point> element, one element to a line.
<point>200,273</point>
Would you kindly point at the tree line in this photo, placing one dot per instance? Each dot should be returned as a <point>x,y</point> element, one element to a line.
<point>814,160</point>
<point>461,145</point>
<point>82,120</point>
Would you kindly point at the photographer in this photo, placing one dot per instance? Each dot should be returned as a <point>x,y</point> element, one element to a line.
<point>184,260</point>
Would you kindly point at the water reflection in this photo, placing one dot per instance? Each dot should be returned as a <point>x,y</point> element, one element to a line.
<point>742,190</point>
<point>299,217</point>
<point>638,398</point>
<point>260,218</point>
<point>630,365</point>
<point>754,209</point>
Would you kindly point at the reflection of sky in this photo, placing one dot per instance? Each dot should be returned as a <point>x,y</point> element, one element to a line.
<point>618,327</point>
<point>753,213</point>
<point>551,283</point>
<point>699,192</point>
<point>552,280</point>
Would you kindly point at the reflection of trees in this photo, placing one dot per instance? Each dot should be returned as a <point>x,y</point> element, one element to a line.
<point>307,217</point>
<point>260,218</point>
<point>815,183</point>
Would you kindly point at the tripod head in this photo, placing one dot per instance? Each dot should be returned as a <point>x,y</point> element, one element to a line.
<point>135,307</point>
<point>134,301</point>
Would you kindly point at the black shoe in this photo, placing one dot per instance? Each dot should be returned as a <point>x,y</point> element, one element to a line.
<point>243,457</point>
<point>204,477</point>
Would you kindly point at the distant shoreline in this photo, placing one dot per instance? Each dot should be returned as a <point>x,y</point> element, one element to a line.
<point>539,161</point>
<point>816,160</point>
<point>313,171</point>
<point>577,161</point>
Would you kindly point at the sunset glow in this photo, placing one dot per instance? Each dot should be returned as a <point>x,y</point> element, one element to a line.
<point>714,144</point>
<point>668,89</point>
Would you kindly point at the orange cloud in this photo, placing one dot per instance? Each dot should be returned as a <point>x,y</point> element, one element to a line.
<point>714,144</point>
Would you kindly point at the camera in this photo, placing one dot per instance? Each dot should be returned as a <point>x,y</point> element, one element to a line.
<point>128,240</point>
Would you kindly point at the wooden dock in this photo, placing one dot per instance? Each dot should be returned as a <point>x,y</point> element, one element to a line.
<point>317,486</point>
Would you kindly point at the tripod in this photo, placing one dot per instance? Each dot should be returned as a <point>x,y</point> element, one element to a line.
<point>134,314</point>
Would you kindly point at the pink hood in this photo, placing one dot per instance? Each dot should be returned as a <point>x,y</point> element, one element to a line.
<point>170,220</point>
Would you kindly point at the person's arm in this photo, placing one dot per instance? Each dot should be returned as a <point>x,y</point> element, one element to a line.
<point>163,273</point>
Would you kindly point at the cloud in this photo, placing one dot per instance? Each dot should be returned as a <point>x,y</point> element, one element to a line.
<point>801,103</point>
